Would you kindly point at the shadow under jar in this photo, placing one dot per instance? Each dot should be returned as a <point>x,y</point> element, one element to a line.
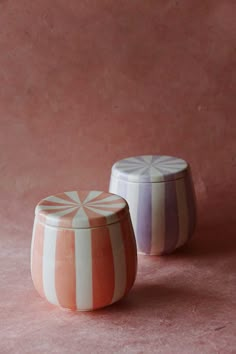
<point>83,252</point>
<point>161,198</point>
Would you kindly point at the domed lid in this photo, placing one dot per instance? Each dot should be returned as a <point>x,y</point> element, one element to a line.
<point>150,168</point>
<point>81,209</point>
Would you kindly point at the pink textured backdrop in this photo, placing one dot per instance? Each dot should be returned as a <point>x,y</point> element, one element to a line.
<point>82,84</point>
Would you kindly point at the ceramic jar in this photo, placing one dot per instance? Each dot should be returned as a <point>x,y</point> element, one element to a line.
<point>160,194</point>
<point>83,253</point>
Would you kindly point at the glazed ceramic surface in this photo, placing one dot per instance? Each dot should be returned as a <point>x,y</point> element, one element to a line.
<point>83,253</point>
<point>161,198</point>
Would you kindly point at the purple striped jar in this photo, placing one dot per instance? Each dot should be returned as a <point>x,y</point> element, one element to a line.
<point>161,197</point>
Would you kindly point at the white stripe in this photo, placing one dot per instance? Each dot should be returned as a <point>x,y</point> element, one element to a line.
<point>172,167</point>
<point>113,185</point>
<point>144,169</point>
<point>158,218</point>
<point>156,171</point>
<point>161,159</point>
<point>58,200</point>
<point>166,170</point>
<point>54,207</point>
<point>92,195</point>
<point>73,195</point>
<point>80,214</point>
<point>131,167</point>
<point>83,266</point>
<point>32,243</point>
<point>182,211</point>
<point>107,199</point>
<point>128,164</point>
<point>57,216</point>
<point>49,264</point>
<point>165,167</point>
<point>63,212</point>
<point>117,205</point>
<point>119,260</point>
<point>100,212</point>
<point>132,196</point>
<point>147,158</point>
<point>175,163</point>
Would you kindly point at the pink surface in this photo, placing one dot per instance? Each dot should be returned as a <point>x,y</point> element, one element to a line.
<point>83,84</point>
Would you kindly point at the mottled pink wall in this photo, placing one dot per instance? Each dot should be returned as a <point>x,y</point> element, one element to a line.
<point>84,83</point>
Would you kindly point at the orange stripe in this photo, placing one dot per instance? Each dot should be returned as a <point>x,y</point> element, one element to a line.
<point>130,252</point>
<point>65,269</point>
<point>37,258</point>
<point>106,208</point>
<point>119,213</point>
<point>103,267</point>
<point>63,221</point>
<point>82,195</point>
<point>66,197</point>
<point>95,219</point>
<point>41,218</point>
<point>50,203</point>
<point>53,211</point>
<point>67,220</point>
<point>116,201</point>
<point>99,197</point>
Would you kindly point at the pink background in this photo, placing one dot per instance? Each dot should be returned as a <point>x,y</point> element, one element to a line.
<point>82,84</point>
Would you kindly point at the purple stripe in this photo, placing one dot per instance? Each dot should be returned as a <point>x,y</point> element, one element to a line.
<point>144,218</point>
<point>171,218</point>
<point>139,158</point>
<point>191,203</point>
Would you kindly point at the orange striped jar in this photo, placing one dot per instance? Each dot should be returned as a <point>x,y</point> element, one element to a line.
<point>83,251</point>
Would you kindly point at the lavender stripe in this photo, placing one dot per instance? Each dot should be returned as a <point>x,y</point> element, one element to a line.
<point>139,158</point>
<point>171,218</point>
<point>191,203</point>
<point>144,218</point>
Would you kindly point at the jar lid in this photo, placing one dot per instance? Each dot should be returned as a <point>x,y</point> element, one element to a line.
<point>150,168</point>
<point>81,209</point>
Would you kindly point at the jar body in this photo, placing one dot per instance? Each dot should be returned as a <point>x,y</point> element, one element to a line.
<point>83,269</point>
<point>163,213</point>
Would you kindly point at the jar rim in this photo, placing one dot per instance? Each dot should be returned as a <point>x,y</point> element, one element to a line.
<point>140,182</point>
<point>81,209</point>
<point>150,168</point>
<point>38,220</point>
